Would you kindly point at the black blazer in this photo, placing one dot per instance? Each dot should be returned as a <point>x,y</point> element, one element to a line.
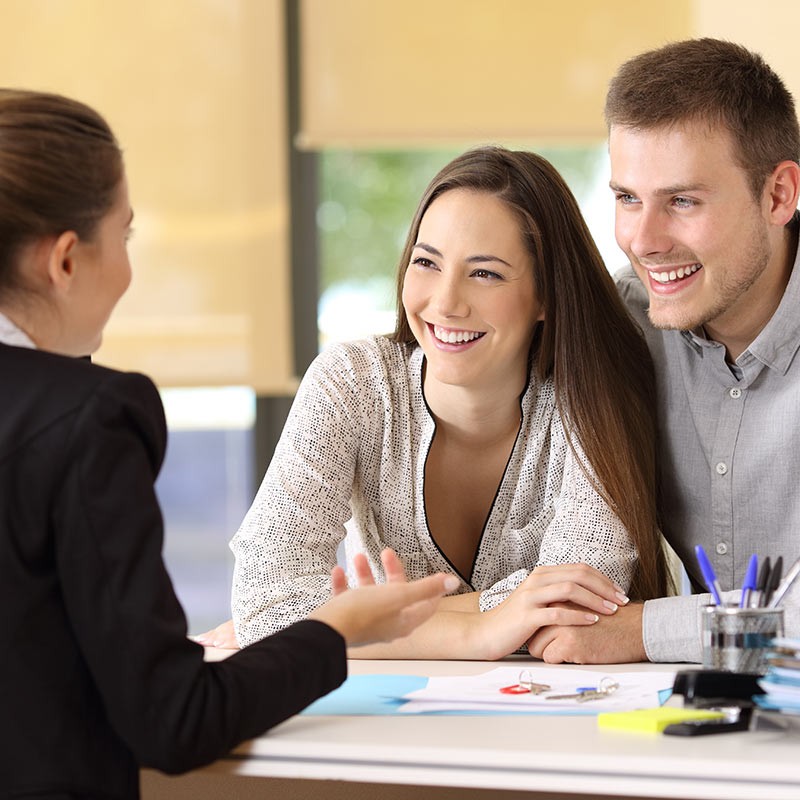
<point>97,676</point>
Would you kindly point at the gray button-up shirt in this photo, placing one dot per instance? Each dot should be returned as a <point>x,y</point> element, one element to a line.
<point>729,459</point>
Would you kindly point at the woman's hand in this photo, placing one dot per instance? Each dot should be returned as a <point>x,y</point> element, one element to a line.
<point>222,636</point>
<point>369,613</point>
<point>382,613</point>
<point>534,604</point>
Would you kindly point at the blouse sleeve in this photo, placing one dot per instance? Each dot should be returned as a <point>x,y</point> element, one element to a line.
<point>583,529</point>
<point>286,545</point>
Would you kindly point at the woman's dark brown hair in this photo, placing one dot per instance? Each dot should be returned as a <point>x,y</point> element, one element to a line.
<point>60,167</point>
<point>595,354</point>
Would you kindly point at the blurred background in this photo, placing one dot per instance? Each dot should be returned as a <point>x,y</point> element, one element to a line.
<point>276,150</point>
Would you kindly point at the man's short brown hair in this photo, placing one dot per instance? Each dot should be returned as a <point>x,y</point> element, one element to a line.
<point>716,83</point>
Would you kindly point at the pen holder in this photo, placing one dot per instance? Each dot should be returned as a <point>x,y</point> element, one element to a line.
<point>738,639</point>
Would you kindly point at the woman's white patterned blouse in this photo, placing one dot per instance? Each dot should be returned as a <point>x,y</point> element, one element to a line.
<point>350,465</point>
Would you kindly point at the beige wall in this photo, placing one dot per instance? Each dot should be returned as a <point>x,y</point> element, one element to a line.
<point>194,90</point>
<point>769,27</point>
<point>426,71</point>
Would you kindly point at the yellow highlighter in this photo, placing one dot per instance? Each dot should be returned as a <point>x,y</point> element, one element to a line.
<point>654,720</point>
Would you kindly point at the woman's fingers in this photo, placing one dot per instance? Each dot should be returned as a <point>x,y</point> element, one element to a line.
<point>338,581</point>
<point>566,592</point>
<point>223,636</point>
<point>393,567</point>
<point>364,576</point>
<point>590,579</point>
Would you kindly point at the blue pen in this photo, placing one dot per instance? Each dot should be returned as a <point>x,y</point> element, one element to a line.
<point>750,579</point>
<point>708,574</point>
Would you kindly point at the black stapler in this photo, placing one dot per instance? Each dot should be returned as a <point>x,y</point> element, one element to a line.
<point>729,692</point>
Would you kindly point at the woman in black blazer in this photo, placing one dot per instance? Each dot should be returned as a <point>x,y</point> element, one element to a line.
<point>98,676</point>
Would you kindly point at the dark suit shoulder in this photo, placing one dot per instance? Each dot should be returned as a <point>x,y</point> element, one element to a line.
<point>42,388</point>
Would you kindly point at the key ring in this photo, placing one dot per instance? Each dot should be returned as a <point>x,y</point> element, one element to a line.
<point>525,685</point>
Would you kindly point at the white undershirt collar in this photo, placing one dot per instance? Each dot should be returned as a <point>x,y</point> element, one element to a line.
<point>11,334</point>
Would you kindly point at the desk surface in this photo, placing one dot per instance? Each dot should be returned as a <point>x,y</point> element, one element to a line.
<point>538,754</point>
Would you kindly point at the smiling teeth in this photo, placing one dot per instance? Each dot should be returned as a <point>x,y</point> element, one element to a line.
<point>455,337</point>
<point>675,275</point>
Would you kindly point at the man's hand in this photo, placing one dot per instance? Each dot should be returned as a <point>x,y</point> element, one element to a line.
<point>615,639</point>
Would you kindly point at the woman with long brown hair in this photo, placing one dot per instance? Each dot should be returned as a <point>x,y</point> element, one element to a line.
<point>503,433</point>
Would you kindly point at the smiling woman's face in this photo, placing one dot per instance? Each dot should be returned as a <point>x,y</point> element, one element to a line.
<point>469,291</point>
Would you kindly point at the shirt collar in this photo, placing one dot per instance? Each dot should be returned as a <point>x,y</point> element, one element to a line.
<point>778,342</point>
<point>11,334</point>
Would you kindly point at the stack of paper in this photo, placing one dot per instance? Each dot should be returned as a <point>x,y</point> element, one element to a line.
<point>782,681</point>
<point>482,693</point>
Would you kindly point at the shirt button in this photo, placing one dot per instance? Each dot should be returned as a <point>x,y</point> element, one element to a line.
<point>735,393</point>
<point>722,468</point>
<point>721,548</point>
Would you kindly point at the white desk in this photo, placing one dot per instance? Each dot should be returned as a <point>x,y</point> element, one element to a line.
<point>542,756</point>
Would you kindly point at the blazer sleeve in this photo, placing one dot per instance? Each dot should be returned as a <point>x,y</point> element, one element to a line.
<point>171,708</point>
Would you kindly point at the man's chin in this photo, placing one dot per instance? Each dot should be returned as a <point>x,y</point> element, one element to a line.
<point>672,320</point>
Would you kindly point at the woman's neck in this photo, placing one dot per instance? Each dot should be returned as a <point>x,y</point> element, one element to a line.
<point>478,417</point>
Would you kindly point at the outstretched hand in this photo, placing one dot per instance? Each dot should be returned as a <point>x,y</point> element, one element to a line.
<point>369,613</point>
<point>372,613</point>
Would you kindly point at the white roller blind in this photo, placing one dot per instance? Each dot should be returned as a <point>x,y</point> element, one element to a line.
<point>195,92</point>
<point>378,73</point>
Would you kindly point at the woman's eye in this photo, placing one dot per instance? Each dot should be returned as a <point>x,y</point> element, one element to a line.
<point>421,261</point>
<point>486,273</point>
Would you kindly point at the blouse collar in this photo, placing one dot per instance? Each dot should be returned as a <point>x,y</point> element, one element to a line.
<point>13,335</point>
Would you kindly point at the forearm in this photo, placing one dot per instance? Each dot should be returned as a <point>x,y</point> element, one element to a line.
<point>448,634</point>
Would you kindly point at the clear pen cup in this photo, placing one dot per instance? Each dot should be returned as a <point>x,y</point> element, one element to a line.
<point>738,639</point>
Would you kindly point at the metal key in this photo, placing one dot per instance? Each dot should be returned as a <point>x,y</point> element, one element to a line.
<point>607,686</point>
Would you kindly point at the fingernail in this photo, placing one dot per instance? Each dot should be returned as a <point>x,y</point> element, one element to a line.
<point>609,605</point>
<point>451,583</point>
<point>592,617</point>
<point>623,598</point>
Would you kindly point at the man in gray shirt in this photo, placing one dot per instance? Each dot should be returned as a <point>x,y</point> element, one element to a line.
<point>704,146</point>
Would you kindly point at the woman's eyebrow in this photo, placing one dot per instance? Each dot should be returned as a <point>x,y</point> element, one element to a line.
<point>476,259</point>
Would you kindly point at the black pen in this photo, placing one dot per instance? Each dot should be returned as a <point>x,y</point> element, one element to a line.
<point>763,577</point>
<point>774,580</point>
<point>786,584</point>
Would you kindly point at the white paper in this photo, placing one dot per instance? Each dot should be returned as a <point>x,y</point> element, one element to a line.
<point>482,692</point>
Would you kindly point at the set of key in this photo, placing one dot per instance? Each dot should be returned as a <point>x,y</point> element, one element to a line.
<point>526,685</point>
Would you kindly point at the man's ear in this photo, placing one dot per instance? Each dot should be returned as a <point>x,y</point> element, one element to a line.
<point>783,186</point>
<point>62,261</point>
